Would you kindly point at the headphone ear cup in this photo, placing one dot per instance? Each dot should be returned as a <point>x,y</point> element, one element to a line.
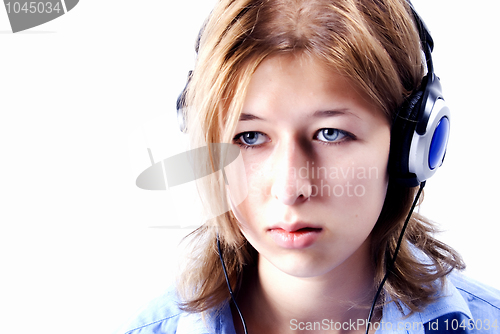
<point>182,109</point>
<point>182,106</point>
<point>402,131</point>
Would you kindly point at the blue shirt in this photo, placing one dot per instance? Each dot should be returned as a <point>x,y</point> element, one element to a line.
<point>465,306</point>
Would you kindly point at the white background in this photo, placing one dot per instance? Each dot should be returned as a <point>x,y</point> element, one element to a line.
<point>83,96</point>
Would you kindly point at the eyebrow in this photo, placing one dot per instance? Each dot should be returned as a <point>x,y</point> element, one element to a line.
<point>332,113</point>
<point>249,117</point>
<point>318,114</point>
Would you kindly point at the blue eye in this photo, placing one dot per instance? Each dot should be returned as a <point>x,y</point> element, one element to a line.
<point>250,138</point>
<point>331,135</point>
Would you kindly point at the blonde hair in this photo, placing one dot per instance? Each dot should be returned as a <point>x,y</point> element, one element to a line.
<point>375,44</point>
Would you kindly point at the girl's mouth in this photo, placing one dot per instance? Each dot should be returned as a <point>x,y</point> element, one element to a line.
<point>295,239</point>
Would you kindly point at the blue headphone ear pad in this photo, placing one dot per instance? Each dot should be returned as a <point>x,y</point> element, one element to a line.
<point>402,130</point>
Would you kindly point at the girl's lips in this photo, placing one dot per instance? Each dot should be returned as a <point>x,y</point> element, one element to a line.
<point>296,239</point>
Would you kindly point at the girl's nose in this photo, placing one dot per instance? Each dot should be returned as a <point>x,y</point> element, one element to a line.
<point>291,174</point>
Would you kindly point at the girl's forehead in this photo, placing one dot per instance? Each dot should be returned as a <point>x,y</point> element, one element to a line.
<point>297,78</point>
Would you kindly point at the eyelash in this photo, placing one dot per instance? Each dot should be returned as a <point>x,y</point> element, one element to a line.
<point>348,136</point>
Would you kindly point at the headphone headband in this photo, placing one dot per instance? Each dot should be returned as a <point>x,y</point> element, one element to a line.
<point>425,37</point>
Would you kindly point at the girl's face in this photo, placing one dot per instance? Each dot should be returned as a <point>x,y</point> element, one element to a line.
<point>315,152</point>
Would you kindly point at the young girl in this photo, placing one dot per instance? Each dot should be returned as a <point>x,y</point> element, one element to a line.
<point>316,95</point>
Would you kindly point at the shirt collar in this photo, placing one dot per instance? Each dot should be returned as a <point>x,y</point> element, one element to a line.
<point>393,321</point>
<point>450,301</point>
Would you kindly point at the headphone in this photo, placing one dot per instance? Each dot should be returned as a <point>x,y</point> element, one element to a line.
<point>420,130</point>
<point>181,100</point>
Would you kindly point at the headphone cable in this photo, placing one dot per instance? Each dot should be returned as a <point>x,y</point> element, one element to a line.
<point>393,261</point>
<point>229,286</point>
